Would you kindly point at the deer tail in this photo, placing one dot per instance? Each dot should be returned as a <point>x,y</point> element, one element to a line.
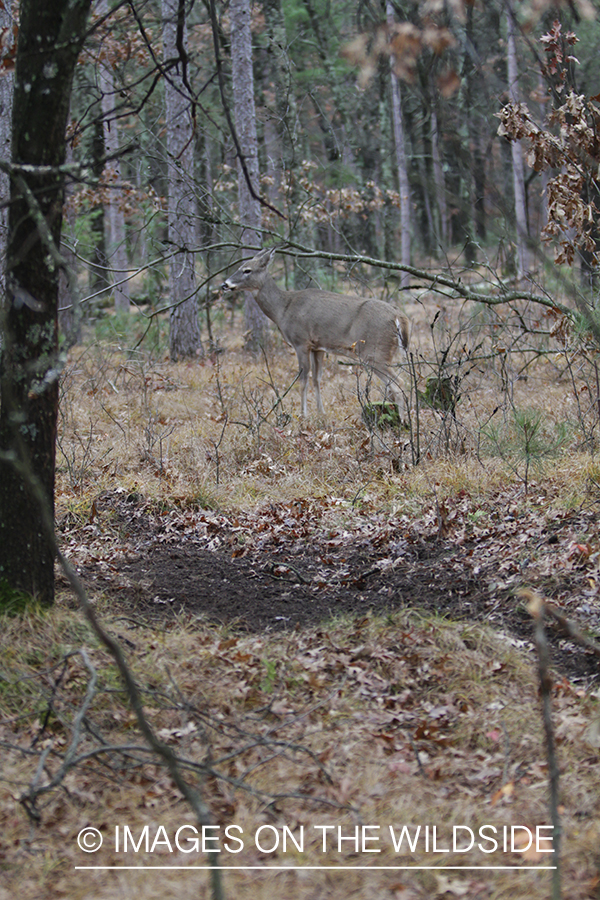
<point>402,332</point>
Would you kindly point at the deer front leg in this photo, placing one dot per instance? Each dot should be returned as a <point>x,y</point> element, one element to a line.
<point>391,385</point>
<point>399,400</point>
<point>317,371</point>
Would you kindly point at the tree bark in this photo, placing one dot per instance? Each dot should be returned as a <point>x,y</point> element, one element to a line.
<point>50,37</point>
<point>98,270</point>
<point>245,125</point>
<point>523,255</point>
<point>69,311</point>
<point>184,325</point>
<point>438,175</point>
<point>403,184</point>
<point>114,217</point>
<point>6,96</point>
<point>472,78</point>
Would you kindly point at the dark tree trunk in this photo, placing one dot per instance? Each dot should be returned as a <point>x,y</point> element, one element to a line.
<point>50,38</point>
<point>6,94</point>
<point>522,228</point>
<point>98,274</point>
<point>472,77</point>
<point>401,165</point>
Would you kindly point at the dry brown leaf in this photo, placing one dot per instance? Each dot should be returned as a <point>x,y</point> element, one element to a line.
<point>448,83</point>
<point>503,793</point>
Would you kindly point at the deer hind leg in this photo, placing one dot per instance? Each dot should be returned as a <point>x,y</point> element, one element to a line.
<point>317,357</point>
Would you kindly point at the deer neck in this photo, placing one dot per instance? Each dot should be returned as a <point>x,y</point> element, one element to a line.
<point>271,299</point>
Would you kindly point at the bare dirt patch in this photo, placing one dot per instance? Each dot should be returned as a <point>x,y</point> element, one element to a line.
<point>297,564</point>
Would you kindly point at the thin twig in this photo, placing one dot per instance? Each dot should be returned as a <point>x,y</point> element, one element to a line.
<point>537,608</point>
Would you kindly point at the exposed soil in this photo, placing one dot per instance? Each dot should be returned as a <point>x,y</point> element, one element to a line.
<point>290,572</point>
<point>284,590</point>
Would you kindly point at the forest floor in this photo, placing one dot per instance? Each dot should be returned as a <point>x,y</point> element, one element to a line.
<point>302,563</point>
<point>327,634</point>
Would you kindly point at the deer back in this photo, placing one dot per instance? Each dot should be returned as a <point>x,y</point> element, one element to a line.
<point>342,324</point>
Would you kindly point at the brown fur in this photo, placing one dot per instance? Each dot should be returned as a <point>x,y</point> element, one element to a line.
<point>314,321</point>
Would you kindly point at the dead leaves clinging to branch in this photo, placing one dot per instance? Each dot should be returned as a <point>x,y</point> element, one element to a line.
<point>402,43</point>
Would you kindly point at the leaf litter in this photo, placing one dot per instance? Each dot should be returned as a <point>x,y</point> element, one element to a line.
<point>293,563</point>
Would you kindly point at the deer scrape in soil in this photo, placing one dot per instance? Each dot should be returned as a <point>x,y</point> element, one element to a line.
<point>285,568</point>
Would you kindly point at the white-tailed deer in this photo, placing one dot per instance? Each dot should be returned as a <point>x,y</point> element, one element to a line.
<point>314,321</point>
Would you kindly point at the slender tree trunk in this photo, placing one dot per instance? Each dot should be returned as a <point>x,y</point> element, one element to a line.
<point>69,318</point>
<point>438,176</point>
<point>545,175</point>
<point>114,217</point>
<point>472,78</point>
<point>50,37</point>
<point>478,172</point>
<point>6,97</point>
<point>523,255</point>
<point>98,273</point>
<point>184,334</point>
<point>423,159</point>
<point>273,159</point>
<point>245,124</point>
<point>277,99</point>
<point>401,165</point>
<point>270,85</point>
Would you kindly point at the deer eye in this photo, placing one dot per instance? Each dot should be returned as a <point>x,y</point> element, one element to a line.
<point>247,271</point>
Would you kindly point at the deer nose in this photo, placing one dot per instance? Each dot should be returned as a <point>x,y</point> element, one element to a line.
<point>225,287</point>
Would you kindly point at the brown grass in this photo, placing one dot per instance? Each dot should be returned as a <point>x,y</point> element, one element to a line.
<point>211,431</point>
<point>405,720</point>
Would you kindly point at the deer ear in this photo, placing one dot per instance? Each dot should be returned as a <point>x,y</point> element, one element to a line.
<point>265,256</point>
